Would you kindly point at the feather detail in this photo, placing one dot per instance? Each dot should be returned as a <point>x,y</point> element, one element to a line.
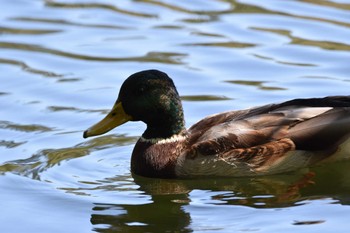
<point>262,155</point>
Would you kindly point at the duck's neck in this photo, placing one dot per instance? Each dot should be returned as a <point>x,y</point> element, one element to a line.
<point>166,124</point>
<point>157,156</point>
<point>164,130</point>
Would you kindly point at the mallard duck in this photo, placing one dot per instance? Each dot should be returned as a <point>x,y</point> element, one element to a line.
<point>263,140</point>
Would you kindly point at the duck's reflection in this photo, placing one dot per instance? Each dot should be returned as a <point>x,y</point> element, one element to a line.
<point>166,212</point>
<point>163,214</point>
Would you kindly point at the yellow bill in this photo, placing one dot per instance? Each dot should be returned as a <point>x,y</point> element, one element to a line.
<point>115,117</point>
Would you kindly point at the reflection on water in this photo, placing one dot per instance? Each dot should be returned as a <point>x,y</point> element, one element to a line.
<point>62,63</point>
<point>169,198</point>
<point>160,57</point>
<point>259,84</point>
<point>46,158</point>
<point>163,214</point>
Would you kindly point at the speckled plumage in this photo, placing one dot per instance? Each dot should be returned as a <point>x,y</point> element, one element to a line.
<point>263,140</point>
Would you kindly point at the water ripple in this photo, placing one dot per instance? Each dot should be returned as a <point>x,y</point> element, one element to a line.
<point>103,6</point>
<point>29,69</point>
<point>64,22</point>
<point>23,31</point>
<point>38,163</point>
<point>329,45</point>
<point>24,128</point>
<point>158,57</point>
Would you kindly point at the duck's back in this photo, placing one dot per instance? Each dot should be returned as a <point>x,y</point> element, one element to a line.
<point>268,139</point>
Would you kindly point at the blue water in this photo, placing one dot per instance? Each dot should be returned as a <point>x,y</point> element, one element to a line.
<point>61,66</point>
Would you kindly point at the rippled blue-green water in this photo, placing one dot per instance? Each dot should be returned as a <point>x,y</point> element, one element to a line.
<point>62,63</point>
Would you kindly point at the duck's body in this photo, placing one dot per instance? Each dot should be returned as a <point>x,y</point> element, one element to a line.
<point>263,140</point>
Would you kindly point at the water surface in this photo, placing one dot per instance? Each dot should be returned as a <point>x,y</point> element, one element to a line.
<point>62,63</point>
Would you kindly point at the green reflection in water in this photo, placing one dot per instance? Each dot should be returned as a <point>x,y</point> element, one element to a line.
<point>46,158</point>
<point>24,128</point>
<point>208,34</point>
<point>259,84</point>
<point>158,57</point>
<point>328,45</point>
<point>204,98</point>
<point>184,10</point>
<point>230,44</point>
<point>284,62</point>
<point>10,144</point>
<point>8,30</point>
<point>29,69</point>
<point>74,109</point>
<point>338,5</point>
<point>66,22</point>
<point>103,6</point>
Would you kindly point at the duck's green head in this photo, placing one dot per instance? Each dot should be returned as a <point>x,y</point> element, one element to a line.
<point>149,96</point>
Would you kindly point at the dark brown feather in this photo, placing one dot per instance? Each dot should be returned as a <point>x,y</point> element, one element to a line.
<point>260,155</point>
<point>253,127</point>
